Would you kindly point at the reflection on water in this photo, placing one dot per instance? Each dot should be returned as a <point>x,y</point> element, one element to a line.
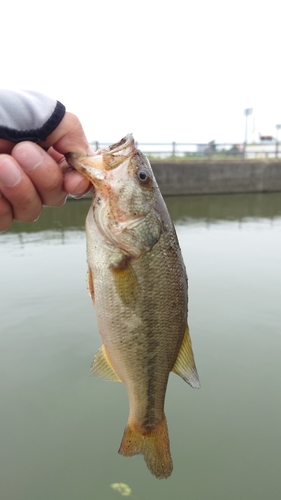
<point>60,429</point>
<point>182,209</point>
<point>224,207</point>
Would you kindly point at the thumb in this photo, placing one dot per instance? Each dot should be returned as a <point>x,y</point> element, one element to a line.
<point>68,137</point>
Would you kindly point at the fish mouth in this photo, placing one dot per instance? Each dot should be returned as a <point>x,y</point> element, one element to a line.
<point>94,167</point>
<point>91,166</point>
<point>125,147</point>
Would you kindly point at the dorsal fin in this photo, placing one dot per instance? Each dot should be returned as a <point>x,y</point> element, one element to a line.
<point>185,364</point>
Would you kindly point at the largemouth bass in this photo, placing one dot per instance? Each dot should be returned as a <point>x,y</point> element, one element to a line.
<point>138,284</point>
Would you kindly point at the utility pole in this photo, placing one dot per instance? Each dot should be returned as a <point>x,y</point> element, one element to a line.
<point>247,112</point>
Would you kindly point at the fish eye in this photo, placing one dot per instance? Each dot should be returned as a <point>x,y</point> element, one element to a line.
<point>144,176</point>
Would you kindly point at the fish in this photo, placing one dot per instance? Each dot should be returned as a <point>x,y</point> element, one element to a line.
<point>138,284</point>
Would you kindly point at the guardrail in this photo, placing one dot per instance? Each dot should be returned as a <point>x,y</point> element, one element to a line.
<point>200,150</point>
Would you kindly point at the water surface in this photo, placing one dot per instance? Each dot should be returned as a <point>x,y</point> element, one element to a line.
<point>60,429</point>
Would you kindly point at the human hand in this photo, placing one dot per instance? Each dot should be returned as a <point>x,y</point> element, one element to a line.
<point>31,177</point>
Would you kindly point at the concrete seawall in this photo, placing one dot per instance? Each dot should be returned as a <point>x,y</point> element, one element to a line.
<point>210,177</point>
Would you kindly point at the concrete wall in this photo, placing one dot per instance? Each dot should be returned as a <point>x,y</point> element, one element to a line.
<point>206,177</point>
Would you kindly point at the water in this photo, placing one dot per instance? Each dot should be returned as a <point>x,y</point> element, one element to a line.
<point>60,429</point>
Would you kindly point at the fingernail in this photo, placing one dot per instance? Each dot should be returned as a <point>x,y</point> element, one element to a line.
<point>10,174</point>
<point>77,196</point>
<point>29,156</point>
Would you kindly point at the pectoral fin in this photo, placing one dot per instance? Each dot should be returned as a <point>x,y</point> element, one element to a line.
<point>90,284</point>
<point>101,366</point>
<point>126,283</point>
<point>185,364</point>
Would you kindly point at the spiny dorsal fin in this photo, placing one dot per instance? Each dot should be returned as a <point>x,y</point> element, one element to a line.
<point>185,364</point>
<point>101,366</point>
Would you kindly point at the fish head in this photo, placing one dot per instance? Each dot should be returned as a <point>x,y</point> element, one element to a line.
<point>125,193</point>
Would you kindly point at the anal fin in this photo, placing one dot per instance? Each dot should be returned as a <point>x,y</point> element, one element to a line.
<point>101,366</point>
<point>185,365</point>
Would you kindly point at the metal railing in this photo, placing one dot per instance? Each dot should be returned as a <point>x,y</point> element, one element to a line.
<point>201,150</point>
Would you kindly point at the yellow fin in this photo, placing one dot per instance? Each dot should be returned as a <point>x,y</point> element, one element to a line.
<point>185,364</point>
<point>153,445</point>
<point>126,284</point>
<point>101,366</point>
<point>90,284</point>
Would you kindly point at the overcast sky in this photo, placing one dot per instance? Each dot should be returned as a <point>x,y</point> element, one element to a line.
<point>165,70</point>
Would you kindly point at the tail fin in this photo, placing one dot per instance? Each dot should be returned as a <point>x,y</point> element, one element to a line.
<point>153,445</point>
